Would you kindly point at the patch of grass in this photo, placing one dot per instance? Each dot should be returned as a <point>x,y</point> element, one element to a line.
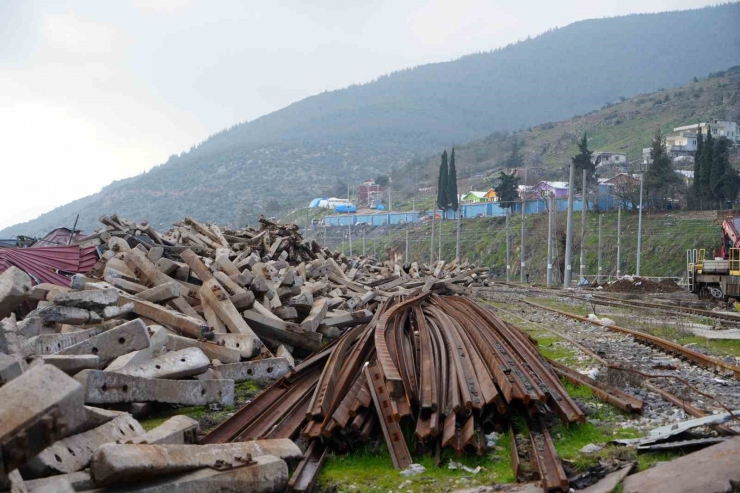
<point>554,347</point>
<point>159,417</point>
<point>247,387</point>
<point>649,459</point>
<point>372,471</point>
<point>582,309</point>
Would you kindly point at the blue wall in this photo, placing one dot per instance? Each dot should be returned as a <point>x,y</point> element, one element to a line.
<point>481,209</point>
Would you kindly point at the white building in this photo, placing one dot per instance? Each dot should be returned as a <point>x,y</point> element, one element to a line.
<point>681,144</point>
<point>600,158</point>
<point>719,128</point>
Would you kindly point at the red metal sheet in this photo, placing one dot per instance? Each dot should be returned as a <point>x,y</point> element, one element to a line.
<point>50,264</point>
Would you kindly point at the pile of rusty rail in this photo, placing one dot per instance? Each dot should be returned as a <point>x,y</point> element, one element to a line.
<point>445,364</point>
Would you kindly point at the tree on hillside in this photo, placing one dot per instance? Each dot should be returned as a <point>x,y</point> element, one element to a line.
<point>720,163</point>
<point>339,189</point>
<point>452,198</point>
<point>506,189</point>
<point>515,159</point>
<point>442,201</point>
<point>705,168</point>
<point>627,189</point>
<point>724,179</point>
<point>661,180</point>
<point>582,160</point>
<point>381,180</point>
<point>696,191</point>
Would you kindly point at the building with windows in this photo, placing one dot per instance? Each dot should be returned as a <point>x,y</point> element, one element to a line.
<point>718,128</point>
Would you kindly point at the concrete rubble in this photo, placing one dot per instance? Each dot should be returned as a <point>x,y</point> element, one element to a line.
<point>113,463</point>
<point>174,319</point>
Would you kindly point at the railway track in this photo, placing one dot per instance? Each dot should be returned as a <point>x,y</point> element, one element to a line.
<point>713,364</point>
<point>601,299</point>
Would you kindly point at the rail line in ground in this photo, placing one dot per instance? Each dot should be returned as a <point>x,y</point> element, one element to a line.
<point>601,299</point>
<point>695,357</point>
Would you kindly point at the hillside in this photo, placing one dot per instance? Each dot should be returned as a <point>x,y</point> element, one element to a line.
<point>350,134</point>
<point>626,126</point>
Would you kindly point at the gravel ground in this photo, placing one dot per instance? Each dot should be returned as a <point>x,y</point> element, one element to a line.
<point>624,350</point>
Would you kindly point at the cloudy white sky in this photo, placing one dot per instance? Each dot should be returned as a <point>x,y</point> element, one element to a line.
<point>94,91</point>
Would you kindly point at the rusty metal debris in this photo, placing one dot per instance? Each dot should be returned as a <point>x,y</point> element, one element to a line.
<point>445,363</point>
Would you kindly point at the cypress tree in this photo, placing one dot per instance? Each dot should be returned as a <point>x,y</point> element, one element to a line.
<point>707,157</point>
<point>660,178</point>
<point>442,201</point>
<point>506,189</point>
<point>582,160</point>
<point>697,192</point>
<point>718,175</point>
<point>452,198</point>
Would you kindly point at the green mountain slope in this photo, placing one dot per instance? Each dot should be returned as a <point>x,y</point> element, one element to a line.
<point>626,127</point>
<point>350,134</point>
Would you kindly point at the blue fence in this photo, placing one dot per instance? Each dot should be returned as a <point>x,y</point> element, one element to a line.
<point>482,209</point>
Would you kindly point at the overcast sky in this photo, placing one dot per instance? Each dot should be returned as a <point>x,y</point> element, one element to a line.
<point>94,91</point>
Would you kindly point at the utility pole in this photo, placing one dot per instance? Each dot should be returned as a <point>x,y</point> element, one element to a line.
<point>363,241</point>
<point>584,206</point>
<point>619,240</point>
<point>639,229</point>
<point>408,260</point>
<point>439,242</point>
<point>549,239</point>
<point>569,228</point>
<point>431,241</point>
<point>390,203</point>
<point>375,252</point>
<point>524,209</point>
<point>349,228</point>
<point>508,247</point>
<point>598,278</point>
<point>457,239</point>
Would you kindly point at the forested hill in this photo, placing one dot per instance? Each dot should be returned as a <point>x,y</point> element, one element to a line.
<point>350,134</point>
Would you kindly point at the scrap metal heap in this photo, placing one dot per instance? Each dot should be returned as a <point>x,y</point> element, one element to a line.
<point>445,365</point>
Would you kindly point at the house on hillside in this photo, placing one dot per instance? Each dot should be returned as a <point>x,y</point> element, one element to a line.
<point>474,197</point>
<point>558,188</point>
<point>719,128</point>
<point>681,144</point>
<point>609,160</point>
<point>367,191</point>
<point>491,195</point>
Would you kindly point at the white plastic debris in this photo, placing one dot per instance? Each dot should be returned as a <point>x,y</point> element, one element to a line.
<point>491,439</point>
<point>590,449</point>
<point>413,470</point>
<point>607,321</point>
<point>456,465</point>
